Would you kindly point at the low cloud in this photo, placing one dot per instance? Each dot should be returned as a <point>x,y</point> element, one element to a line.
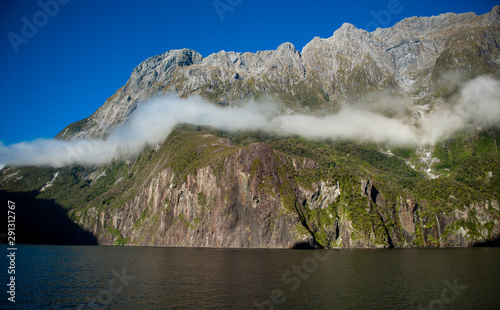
<point>478,106</point>
<point>150,124</point>
<point>154,120</point>
<point>348,123</point>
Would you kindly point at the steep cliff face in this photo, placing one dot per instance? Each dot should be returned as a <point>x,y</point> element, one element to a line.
<point>411,58</point>
<point>226,208</point>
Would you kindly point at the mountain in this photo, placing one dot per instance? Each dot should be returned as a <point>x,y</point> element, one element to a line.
<point>207,187</point>
<point>411,58</point>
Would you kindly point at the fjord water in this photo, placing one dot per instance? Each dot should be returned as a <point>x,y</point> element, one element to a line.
<point>103,277</point>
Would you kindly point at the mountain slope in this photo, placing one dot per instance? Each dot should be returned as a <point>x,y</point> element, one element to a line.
<point>207,187</point>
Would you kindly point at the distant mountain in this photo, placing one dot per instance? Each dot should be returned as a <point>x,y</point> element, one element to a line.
<point>209,188</point>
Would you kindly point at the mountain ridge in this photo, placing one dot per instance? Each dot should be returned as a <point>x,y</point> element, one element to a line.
<point>404,58</point>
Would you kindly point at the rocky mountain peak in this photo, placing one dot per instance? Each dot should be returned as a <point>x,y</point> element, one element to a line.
<point>348,32</point>
<point>345,30</point>
<point>493,17</point>
<point>287,46</point>
<point>172,58</point>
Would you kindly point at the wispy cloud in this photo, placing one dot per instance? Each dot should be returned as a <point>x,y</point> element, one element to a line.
<point>154,120</point>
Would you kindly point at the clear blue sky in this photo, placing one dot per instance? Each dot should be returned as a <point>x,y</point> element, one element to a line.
<point>83,53</point>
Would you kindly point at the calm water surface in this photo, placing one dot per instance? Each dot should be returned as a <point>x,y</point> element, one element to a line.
<point>101,277</point>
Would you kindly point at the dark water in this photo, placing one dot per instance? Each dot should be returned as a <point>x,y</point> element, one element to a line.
<point>68,277</point>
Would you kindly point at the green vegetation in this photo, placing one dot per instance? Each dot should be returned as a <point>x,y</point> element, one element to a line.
<point>202,200</point>
<point>472,160</point>
<point>255,165</point>
<point>190,148</point>
<point>119,238</point>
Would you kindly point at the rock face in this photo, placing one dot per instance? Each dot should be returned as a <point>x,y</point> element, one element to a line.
<point>206,210</point>
<point>409,58</point>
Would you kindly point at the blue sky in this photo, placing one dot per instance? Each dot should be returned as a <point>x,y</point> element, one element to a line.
<point>78,57</point>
